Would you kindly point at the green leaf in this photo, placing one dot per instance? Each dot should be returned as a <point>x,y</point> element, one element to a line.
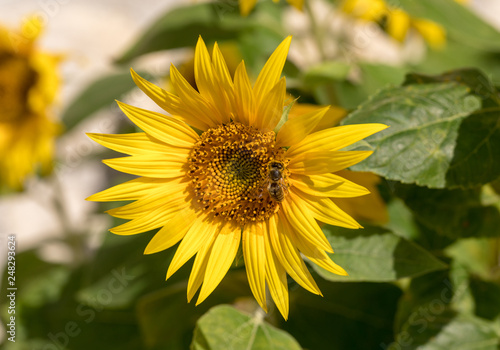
<point>475,159</point>
<point>453,213</point>
<point>99,94</point>
<point>181,27</point>
<point>224,327</point>
<point>326,72</point>
<point>477,153</point>
<point>376,254</point>
<point>480,85</point>
<point>460,23</point>
<point>424,121</point>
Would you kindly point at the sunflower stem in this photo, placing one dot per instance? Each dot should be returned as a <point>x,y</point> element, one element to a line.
<point>316,30</point>
<point>71,238</point>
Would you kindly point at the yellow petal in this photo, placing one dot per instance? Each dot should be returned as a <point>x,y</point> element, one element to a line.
<point>336,138</point>
<point>271,73</point>
<point>161,127</point>
<point>370,207</point>
<point>276,275</point>
<point>314,163</point>
<point>199,232</point>
<point>327,185</point>
<point>255,260</point>
<point>137,143</point>
<point>199,268</point>
<point>222,72</point>
<point>208,83</point>
<point>246,6</point>
<point>155,165</point>
<point>170,201</point>
<point>223,253</point>
<point>315,255</point>
<point>296,129</point>
<point>302,221</point>
<point>150,221</point>
<point>331,118</point>
<point>326,211</point>
<point>289,256</point>
<point>243,94</point>
<point>172,232</point>
<point>170,103</point>
<point>193,101</point>
<point>270,109</point>
<point>130,190</point>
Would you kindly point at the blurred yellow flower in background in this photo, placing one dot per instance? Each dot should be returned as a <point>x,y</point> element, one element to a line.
<point>28,85</point>
<point>247,5</point>
<point>243,178</point>
<point>396,21</point>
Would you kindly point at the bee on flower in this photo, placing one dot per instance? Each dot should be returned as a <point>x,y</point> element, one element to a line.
<point>219,173</point>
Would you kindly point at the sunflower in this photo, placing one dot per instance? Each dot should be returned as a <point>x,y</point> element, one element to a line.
<point>28,86</point>
<point>224,170</point>
<point>397,22</point>
<point>247,5</point>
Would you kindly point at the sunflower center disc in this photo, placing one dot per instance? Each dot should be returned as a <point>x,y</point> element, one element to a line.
<point>228,169</point>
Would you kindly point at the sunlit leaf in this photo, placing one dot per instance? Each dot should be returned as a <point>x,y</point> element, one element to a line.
<point>224,327</point>
<point>424,121</point>
<point>326,72</point>
<point>376,254</point>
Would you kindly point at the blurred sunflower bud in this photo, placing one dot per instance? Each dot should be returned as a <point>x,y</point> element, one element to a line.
<point>395,21</point>
<point>28,86</point>
<point>246,6</point>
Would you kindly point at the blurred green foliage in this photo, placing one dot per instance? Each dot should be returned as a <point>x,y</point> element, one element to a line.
<point>427,279</point>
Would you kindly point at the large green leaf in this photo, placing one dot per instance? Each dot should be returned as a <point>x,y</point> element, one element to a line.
<point>475,159</point>
<point>453,213</point>
<point>424,121</point>
<point>326,72</point>
<point>224,327</point>
<point>216,21</point>
<point>376,254</point>
<point>460,23</point>
<point>101,93</point>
